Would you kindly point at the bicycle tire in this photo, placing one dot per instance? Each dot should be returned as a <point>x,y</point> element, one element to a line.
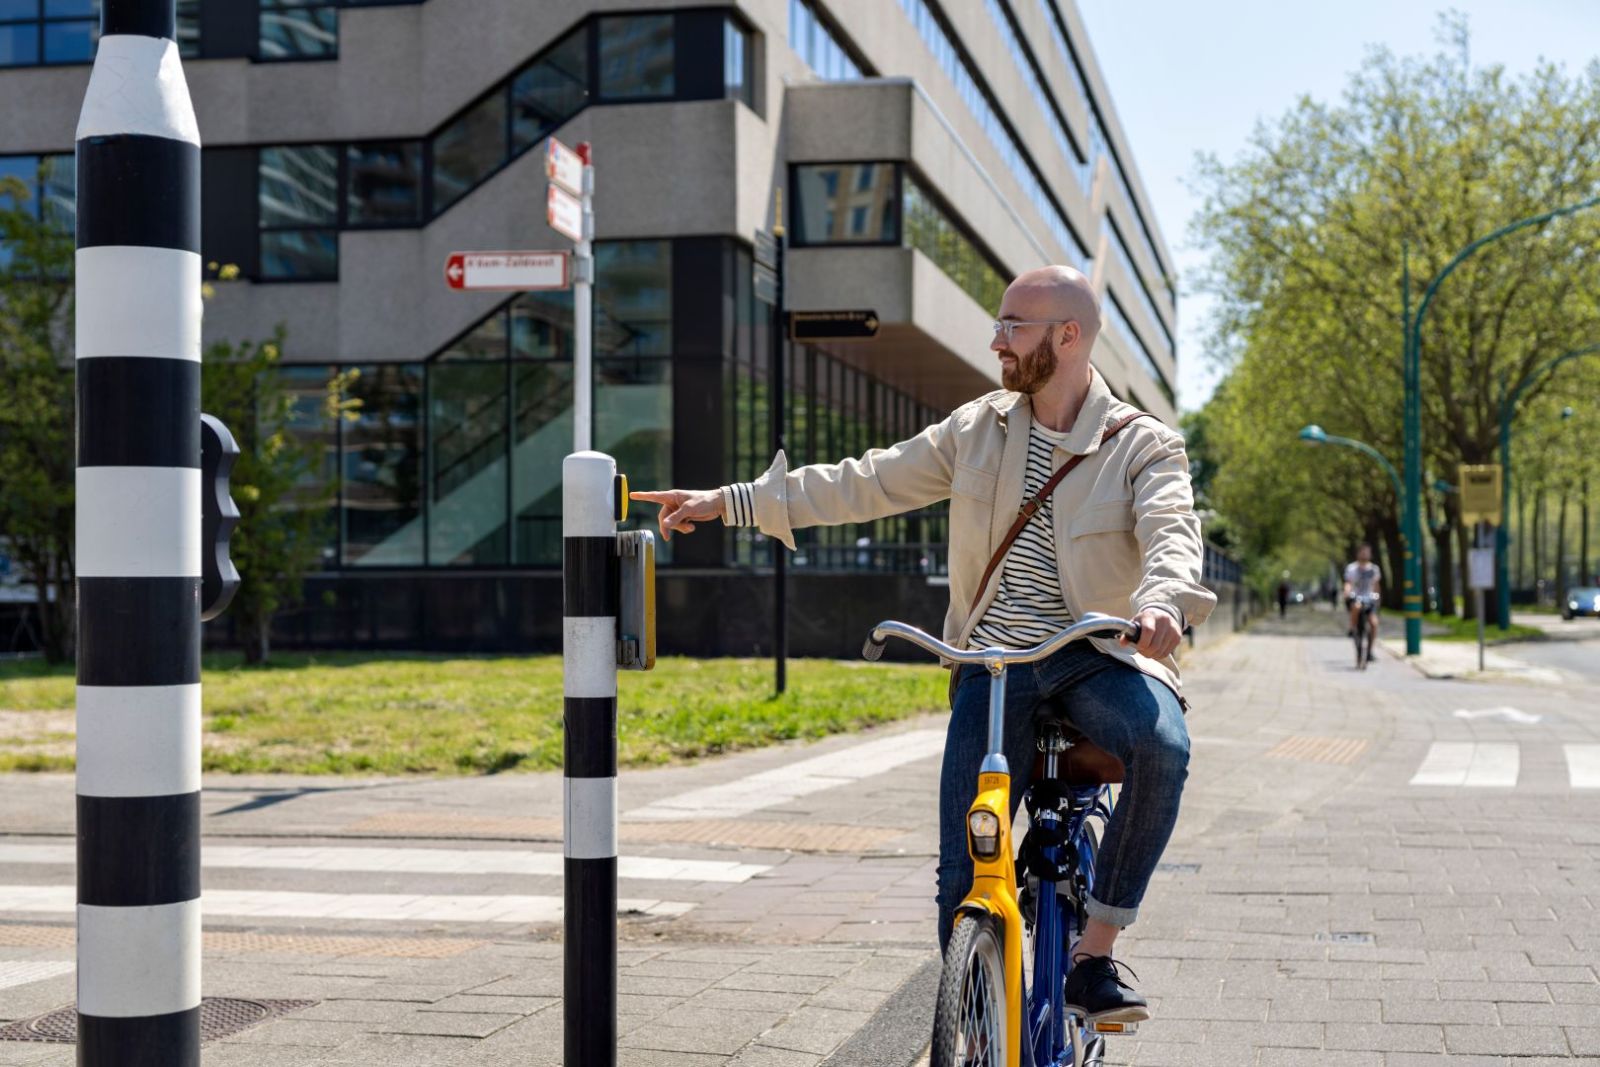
<point>972,997</point>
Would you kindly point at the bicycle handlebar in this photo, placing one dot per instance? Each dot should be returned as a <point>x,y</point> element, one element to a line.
<point>1090,624</point>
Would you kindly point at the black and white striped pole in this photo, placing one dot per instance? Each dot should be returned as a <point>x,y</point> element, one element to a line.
<point>608,621</point>
<point>591,600</point>
<point>138,548</point>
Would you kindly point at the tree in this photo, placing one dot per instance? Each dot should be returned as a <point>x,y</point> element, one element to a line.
<point>285,498</point>
<point>1306,231</point>
<point>36,409</point>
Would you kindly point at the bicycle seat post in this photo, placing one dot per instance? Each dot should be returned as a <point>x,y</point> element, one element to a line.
<point>995,761</point>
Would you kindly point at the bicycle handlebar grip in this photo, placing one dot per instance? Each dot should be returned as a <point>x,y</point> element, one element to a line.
<point>1135,634</point>
<point>873,649</point>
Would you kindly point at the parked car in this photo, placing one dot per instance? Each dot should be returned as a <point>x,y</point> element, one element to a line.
<point>1581,600</point>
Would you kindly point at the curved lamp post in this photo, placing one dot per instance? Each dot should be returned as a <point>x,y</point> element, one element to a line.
<point>1316,435</point>
<point>1508,405</point>
<point>1413,407</point>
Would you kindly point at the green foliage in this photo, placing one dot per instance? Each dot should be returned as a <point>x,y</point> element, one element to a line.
<point>384,714</point>
<point>1306,231</point>
<point>36,410</point>
<point>285,505</point>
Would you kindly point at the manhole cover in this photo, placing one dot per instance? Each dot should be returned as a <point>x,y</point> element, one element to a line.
<point>219,1017</point>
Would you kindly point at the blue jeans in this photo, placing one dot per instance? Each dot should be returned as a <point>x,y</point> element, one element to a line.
<point>1119,708</point>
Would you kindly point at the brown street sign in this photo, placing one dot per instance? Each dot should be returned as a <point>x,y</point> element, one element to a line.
<point>833,325</point>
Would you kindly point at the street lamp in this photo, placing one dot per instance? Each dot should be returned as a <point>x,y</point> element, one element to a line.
<point>1502,539</point>
<point>1316,435</point>
<point>1412,361</point>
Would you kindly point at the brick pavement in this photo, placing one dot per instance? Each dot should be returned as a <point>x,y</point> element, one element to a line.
<point>1317,908</point>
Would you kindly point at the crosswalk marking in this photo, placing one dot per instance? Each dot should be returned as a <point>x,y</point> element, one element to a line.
<point>417,861</point>
<point>22,972</point>
<point>1583,766</point>
<point>378,906</point>
<point>1470,763</point>
<point>783,784</point>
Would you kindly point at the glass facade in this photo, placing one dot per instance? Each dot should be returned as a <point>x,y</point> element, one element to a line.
<point>975,94</point>
<point>880,203</point>
<point>1043,99</point>
<point>832,411</point>
<point>637,57</point>
<point>298,211</point>
<point>847,203</point>
<point>932,232</point>
<point>817,44</point>
<point>49,191</point>
<point>293,29</point>
<point>308,193</point>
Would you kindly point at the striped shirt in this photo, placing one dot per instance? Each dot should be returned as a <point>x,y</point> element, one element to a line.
<point>1029,606</point>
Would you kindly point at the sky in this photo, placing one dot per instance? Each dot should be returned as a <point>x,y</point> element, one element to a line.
<point>1189,77</point>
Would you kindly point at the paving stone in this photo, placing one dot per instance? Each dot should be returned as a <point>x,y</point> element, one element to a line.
<point>1506,1040</point>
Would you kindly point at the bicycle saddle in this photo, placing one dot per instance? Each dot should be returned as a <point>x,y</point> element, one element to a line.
<point>1084,763</point>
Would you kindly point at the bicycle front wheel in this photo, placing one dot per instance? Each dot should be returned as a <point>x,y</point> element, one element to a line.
<point>970,1017</point>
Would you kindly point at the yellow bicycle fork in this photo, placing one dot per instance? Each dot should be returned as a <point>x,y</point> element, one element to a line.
<point>994,891</point>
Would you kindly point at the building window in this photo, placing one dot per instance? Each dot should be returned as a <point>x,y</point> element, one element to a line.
<point>1120,248</point>
<point>975,94</point>
<point>932,232</point>
<point>380,499</point>
<point>294,30</point>
<point>1015,44</point>
<point>846,203</point>
<point>738,63</point>
<point>819,45</point>
<point>467,461</point>
<point>384,184</point>
<point>633,298</point>
<point>549,90</point>
<point>298,197</point>
<point>636,57</point>
<point>469,149</point>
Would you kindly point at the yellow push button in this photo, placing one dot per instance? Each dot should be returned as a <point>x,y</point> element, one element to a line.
<point>620,486</point>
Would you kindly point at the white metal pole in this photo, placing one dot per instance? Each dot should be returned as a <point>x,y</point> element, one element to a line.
<point>583,315</point>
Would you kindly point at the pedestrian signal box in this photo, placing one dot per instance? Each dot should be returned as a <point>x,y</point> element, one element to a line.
<point>1480,493</point>
<point>636,615</point>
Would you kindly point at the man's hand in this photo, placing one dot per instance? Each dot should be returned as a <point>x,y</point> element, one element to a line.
<point>682,508</point>
<point>1159,633</point>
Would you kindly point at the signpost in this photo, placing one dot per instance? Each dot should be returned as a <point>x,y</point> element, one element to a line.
<point>510,271</point>
<point>832,325</point>
<point>767,281</point>
<point>569,209</point>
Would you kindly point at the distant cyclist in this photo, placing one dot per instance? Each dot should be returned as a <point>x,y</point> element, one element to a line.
<point>1362,581</point>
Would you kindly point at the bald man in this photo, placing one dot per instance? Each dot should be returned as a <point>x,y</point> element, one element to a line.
<point>1118,536</point>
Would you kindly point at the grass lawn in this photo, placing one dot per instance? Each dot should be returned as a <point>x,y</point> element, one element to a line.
<point>1454,628</point>
<point>424,714</point>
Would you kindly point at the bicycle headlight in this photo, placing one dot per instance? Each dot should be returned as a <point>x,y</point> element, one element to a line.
<point>984,832</point>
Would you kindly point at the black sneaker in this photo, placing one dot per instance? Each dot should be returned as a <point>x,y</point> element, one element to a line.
<point>1095,991</point>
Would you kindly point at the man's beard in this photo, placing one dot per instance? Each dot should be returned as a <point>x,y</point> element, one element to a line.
<point>1030,372</point>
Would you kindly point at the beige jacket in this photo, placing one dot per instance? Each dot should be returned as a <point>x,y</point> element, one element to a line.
<point>1125,529</point>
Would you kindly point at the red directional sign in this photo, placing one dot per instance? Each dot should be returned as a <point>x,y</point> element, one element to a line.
<point>518,271</point>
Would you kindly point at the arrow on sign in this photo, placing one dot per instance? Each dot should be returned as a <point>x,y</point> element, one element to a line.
<point>1508,714</point>
<point>455,272</point>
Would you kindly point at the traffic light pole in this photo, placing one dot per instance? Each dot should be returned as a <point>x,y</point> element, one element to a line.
<point>583,315</point>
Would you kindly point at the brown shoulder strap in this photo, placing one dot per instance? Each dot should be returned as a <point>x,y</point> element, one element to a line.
<point>1031,506</point>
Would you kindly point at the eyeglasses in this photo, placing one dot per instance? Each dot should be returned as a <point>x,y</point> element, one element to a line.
<point>1003,327</point>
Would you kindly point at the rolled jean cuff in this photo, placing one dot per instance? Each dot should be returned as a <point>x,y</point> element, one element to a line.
<point>1107,914</point>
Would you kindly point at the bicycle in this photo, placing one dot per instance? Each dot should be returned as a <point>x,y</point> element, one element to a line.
<point>1026,906</point>
<point>1368,604</point>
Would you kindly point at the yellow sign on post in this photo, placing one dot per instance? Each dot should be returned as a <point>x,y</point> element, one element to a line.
<point>1480,493</point>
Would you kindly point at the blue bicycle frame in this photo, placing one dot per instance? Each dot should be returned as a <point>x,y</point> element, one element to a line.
<point>1055,927</point>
